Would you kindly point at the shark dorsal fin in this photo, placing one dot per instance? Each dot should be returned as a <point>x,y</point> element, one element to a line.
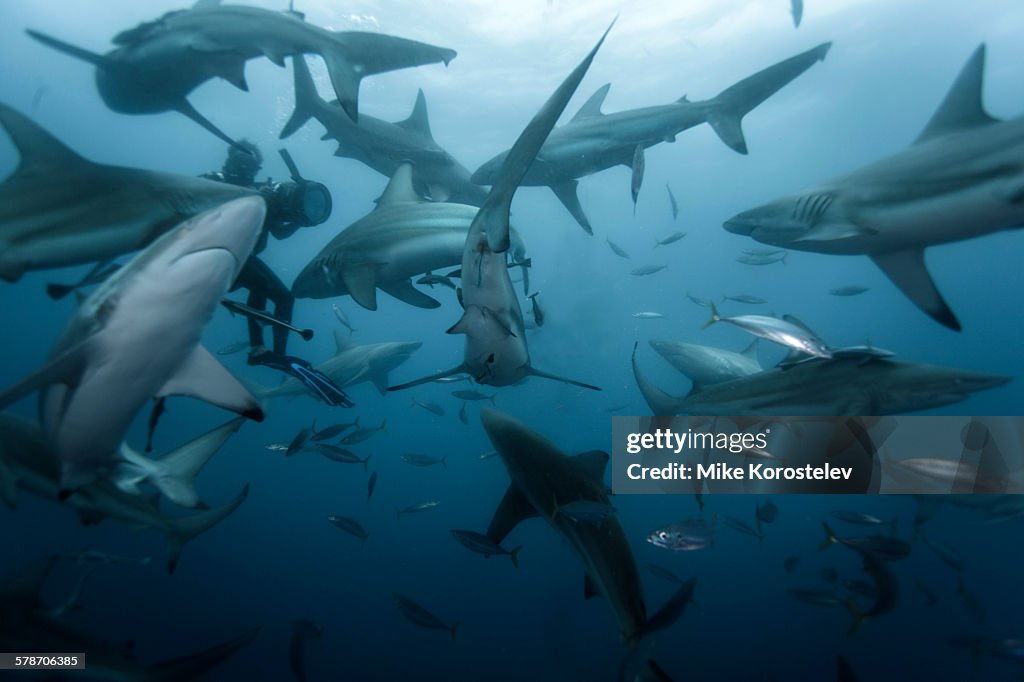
<point>592,107</point>
<point>962,108</point>
<point>750,351</point>
<point>418,122</point>
<point>592,464</point>
<point>399,189</point>
<point>38,148</point>
<point>512,509</point>
<point>341,342</point>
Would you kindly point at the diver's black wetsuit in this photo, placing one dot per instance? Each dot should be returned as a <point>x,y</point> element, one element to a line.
<point>290,205</point>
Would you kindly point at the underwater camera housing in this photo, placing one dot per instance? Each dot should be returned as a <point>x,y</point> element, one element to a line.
<point>303,202</point>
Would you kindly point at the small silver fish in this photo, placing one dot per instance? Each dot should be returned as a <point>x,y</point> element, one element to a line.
<point>616,249</point>
<point>433,408</point>
<point>648,316</point>
<point>669,239</point>
<point>418,507</point>
<point>647,270</point>
<point>418,460</point>
<point>342,317</point>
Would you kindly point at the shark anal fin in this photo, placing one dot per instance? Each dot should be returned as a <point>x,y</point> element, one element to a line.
<point>907,271</point>
<point>202,376</point>
<point>404,291</point>
<point>589,588</point>
<point>962,108</point>
<point>512,509</point>
<point>566,193</point>
<point>361,281</point>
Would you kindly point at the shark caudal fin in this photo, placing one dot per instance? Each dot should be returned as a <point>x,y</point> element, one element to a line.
<point>174,474</point>
<point>306,97</point>
<point>181,530</point>
<point>358,54</point>
<point>661,403</point>
<point>638,666</point>
<point>725,112</point>
<point>192,666</point>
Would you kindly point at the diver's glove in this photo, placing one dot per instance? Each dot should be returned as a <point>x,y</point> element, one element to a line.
<point>317,382</point>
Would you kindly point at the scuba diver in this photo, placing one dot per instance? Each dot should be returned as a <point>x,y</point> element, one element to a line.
<point>290,205</point>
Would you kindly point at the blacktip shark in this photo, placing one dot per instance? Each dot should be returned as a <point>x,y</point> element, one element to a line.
<point>403,237</point>
<point>706,365</point>
<point>850,383</point>
<point>384,146</point>
<point>137,337</point>
<point>30,625</point>
<point>544,478</point>
<point>353,364</point>
<point>59,209</point>
<point>496,352</point>
<point>158,63</point>
<point>961,178</point>
<point>593,141</point>
<point>27,462</point>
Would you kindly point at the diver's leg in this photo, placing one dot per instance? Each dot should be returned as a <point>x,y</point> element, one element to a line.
<point>251,278</point>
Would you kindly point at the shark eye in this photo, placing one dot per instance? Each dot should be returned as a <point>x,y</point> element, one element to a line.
<point>663,535</point>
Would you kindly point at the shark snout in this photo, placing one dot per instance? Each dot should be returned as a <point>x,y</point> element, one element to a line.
<point>233,227</point>
<point>768,227</point>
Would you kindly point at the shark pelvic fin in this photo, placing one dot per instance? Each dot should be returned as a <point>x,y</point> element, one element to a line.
<point>460,369</point>
<point>202,376</point>
<point>908,271</point>
<point>962,107</point>
<point>361,281</point>
<point>533,371</point>
<point>566,193</point>
<point>592,107</point>
<point>512,509</point>
<point>404,291</point>
<point>418,121</point>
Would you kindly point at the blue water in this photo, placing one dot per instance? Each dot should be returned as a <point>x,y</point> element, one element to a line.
<point>277,559</point>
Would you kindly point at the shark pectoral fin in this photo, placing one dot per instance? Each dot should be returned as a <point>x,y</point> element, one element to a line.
<point>728,126</point>
<point>202,376</point>
<point>589,588</point>
<point>380,380</point>
<point>962,108</point>
<point>427,379</point>
<point>184,107</point>
<point>533,371</point>
<point>404,291</point>
<point>592,464</point>
<point>566,193</point>
<point>512,509</point>
<point>64,369</point>
<point>361,281</point>
<point>99,60</point>
<point>12,272</point>
<point>907,271</point>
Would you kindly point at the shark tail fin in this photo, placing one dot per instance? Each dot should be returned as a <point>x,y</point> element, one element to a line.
<point>657,400</point>
<point>514,555</point>
<point>554,377</point>
<point>725,112</point>
<point>305,97</point>
<point>192,666</point>
<point>181,530</point>
<point>174,474</point>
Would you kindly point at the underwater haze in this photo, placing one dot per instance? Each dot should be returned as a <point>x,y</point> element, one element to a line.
<point>278,559</point>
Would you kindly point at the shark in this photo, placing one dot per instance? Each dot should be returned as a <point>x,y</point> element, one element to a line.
<point>29,625</point>
<point>158,63</point>
<point>27,462</point>
<point>59,209</point>
<point>404,236</point>
<point>352,364</point>
<point>496,351</point>
<point>705,365</point>
<point>594,141</point>
<point>961,178</point>
<point>384,146</point>
<point>850,383</point>
<point>137,337</point>
<point>543,479</point>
